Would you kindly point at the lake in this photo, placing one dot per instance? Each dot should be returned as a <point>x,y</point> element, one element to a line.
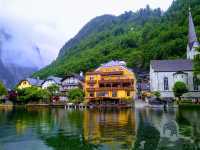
<point>113,129</point>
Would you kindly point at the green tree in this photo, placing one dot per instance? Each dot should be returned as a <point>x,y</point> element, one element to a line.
<point>179,89</point>
<point>157,94</point>
<point>197,64</point>
<point>76,95</point>
<point>53,89</point>
<point>3,90</point>
<point>33,94</point>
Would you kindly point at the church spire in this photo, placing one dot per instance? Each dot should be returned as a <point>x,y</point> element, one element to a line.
<point>192,37</point>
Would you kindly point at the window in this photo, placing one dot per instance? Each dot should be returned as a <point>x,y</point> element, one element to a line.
<point>102,94</point>
<point>166,84</point>
<point>195,83</point>
<point>114,94</point>
<point>91,94</point>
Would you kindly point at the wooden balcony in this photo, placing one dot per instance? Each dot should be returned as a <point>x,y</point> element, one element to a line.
<point>110,89</point>
<point>105,73</point>
<point>91,81</point>
<point>111,73</point>
<point>116,81</point>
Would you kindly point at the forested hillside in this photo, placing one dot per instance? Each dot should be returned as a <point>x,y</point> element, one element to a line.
<point>135,37</point>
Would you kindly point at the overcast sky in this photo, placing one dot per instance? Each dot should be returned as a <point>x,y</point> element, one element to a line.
<point>50,23</point>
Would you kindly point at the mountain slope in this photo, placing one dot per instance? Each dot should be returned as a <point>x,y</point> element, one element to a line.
<point>133,37</point>
<point>15,64</point>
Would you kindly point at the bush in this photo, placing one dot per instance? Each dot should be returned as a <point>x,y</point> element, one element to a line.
<point>157,94</point>
<point>3,90</point>
<point>33,94</point>
<point>179,89</point>
<point>76,95</point>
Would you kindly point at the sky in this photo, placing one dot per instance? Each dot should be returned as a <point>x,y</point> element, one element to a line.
<point>48,24</point>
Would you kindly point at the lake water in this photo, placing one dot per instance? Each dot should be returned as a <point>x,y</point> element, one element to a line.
<point>60,129</point>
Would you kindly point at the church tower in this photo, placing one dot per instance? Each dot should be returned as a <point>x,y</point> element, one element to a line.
<point>192,39</point>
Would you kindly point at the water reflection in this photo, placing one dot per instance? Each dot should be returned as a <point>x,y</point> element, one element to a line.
<point>112,129</point>
<point>137,129</point>
<point>174,130</point>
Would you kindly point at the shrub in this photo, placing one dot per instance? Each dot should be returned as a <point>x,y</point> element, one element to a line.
<point>3,90</point>
<point>33,94</point>
<point>76,95</point>
<point>179,89</point>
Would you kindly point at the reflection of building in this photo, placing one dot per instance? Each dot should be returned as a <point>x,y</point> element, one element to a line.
<point>110,82</point>
<point>164,125</point>
<point>112,128</point>
<point>165,73</point>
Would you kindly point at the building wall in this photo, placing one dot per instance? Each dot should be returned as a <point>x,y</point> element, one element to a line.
<point>70,83</point>
<point>191,53</point>
<point>48,83</point>
<point>24,84</point>
<point>157,81</point>
<point>121,94</point>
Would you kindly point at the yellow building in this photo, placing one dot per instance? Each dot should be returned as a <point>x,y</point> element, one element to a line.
<point>29,82</point>
<point>111,83</point>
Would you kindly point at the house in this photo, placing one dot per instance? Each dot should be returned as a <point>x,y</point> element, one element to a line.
<point>51,81</point>
<point>29,82</point>
<point>111,83</point>
<point>71,82</point>
<point>165,73</point>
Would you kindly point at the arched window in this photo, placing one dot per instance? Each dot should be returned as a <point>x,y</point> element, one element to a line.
<point>195,83</point>
<point>166,84</point>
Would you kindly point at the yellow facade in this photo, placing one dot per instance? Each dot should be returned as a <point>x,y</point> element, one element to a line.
<point>97,125</point>
<point>24,84</point>
<point>115,83</point>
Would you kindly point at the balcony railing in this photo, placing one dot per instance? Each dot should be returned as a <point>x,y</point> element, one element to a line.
<point>91,81</point>
<point>110,89</point>
<point>116,81</point>
<point>105,73</point>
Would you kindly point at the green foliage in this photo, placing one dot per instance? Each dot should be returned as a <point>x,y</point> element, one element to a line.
<point>53,89</point>
<point>3,90</point>
<point>179,89</point>
<point>134,37</point>
<point>76,95</point>
<point>197,64</point>
<point>33,94</point>
<point>157,94</point>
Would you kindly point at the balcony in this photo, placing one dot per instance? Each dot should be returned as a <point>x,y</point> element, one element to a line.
<point>110,89</point>
<point>116,81</point>
<point>111,73</point>
<point>105,73</point>
<point>91,81</point>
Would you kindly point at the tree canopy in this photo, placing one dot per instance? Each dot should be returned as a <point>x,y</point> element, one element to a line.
<point>76,95</point>
<point>179,89</point>
<point>134,37</point>
<point>3,90</point>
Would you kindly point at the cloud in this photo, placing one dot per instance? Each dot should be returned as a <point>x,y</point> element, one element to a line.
<point>48,24</point>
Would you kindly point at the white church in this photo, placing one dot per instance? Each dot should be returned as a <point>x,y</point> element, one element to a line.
<point>165,73</point>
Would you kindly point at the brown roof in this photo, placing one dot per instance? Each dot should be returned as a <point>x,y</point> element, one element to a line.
<point>172,65</point>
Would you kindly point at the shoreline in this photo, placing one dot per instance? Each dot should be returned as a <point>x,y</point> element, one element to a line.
<point>67,106</point>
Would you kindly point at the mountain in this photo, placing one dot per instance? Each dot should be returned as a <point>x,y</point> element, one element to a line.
<point>135,37</point>
<point>16,63</point>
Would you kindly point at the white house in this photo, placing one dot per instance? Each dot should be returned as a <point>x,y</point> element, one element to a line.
<point>50,81</point>
<point>71,82</point>
<point>165,73</point>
